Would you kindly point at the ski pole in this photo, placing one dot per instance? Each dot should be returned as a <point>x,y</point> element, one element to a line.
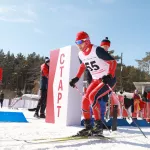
<point>128,114</point>
<point>78,90</point>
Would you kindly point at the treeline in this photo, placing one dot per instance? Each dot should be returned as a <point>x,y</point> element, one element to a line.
<point>19,72</point>
<point>22,73</point>
<point>130,74</point>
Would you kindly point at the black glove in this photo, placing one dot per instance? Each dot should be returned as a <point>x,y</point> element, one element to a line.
<point>106,78</point>
<point>73,81</point>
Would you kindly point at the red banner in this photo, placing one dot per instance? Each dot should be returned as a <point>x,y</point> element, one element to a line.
<point>1,74</point>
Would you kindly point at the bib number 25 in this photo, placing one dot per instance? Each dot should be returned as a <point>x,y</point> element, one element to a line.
<point>91,65</point>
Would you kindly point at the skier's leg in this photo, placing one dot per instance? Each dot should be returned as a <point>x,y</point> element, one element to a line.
<point>38,108</point>
<point>98,92</point>
<point>102,108</point>
<point>1,102</point>
<point>43,104</point>
<point>98,126</point>
<point>86,111</point>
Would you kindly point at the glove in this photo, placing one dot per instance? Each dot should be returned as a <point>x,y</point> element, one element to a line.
<point>106,78</point>
<point>73,81</point>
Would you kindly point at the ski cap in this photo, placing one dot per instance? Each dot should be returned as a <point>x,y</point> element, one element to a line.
<point>83,37</point>
<point>105,42</point>
<point>47,60</point>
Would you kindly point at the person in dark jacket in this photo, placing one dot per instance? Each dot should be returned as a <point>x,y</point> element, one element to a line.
<point>43,89</point>
<point>105,44</point>
<point>1,98</point>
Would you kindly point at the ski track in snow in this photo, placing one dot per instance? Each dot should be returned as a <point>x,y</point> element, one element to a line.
<point>128,138</point>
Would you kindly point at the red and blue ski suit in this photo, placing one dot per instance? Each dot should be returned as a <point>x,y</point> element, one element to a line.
<point>99,63</point>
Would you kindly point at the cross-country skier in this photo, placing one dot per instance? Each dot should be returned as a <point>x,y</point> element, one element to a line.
<point>102,67</point>
<point>105,44</point>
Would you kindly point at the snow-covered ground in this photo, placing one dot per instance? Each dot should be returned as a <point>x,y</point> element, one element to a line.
<point>127,138</point>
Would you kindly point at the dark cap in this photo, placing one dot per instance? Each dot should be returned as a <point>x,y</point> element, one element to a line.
<point>105,42</point>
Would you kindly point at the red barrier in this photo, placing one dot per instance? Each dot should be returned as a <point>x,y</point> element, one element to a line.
<point>147,111</point>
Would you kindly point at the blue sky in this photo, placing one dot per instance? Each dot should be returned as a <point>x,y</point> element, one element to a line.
<point>42,25</point>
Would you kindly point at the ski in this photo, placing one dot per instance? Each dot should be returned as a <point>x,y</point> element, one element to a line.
<point>65,139</point>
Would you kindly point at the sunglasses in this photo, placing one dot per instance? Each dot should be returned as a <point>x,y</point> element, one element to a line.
<point>81,41</point>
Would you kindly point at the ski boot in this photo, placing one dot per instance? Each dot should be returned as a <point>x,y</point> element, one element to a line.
<point>36,115</point>
<point>97,129</point>
<point>42,116</point>
<point>87,130</point>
